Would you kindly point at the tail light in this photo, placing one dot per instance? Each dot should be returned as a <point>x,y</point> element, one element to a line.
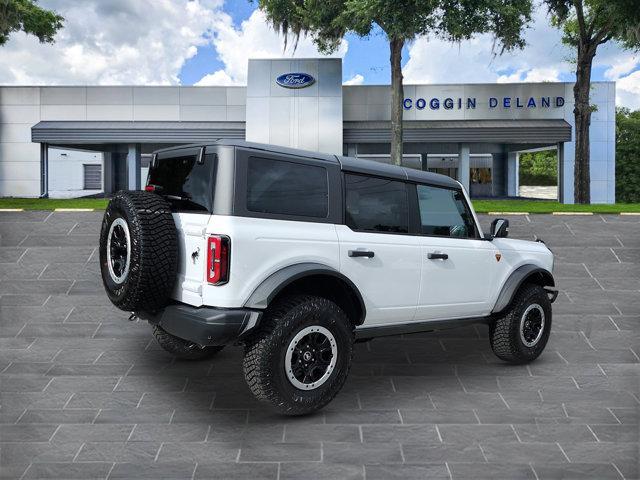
<point>218,258</point>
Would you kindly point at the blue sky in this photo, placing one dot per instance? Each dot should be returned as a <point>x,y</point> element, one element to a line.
<point>367,56</point>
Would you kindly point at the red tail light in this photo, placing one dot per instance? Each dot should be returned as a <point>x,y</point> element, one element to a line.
<point>218,257</point>
<point>150,188</point>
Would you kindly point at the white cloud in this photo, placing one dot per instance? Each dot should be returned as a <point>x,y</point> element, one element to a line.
<point>436,61</point>
<point>628,91</point>
<point>219,77</point>
<point>531,75</point>
<point>253,39</point>
<point>357,79</point>
<point>114,42</point>
<point>622,65</point>
<point>545,58</point>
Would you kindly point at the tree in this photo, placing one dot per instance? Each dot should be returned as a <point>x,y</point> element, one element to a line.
<point>627,156</point>
<point>28,17</point>
<point>587,24</point>
<point>327,21</point>
<point>539,168</point>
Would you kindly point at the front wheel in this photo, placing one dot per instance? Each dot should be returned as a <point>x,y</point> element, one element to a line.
<point>300,357</point>
<point>520,334</point>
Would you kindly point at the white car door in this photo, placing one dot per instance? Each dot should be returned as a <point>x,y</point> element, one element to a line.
<point>458,268</point>
<point>376,251</point>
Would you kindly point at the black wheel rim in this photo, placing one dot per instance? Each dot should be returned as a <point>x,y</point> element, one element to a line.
<point>532,325</point>
<point>311,358</point>
<point>118,250</point>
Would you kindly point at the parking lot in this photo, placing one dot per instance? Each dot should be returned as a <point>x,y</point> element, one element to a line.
<point>87,394</point>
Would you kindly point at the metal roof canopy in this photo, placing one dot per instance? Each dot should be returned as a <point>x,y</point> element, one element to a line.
<point>452,131</point>
<point>87,132</point>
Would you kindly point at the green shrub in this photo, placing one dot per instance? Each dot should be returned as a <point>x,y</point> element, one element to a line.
<point>627,156</point>
<point>539,168</point>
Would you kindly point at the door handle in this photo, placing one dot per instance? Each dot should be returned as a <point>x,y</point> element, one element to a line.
<point>361,253</point>
<point>437,256</point>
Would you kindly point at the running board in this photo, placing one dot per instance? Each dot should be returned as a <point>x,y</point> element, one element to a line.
<point>366,332</point>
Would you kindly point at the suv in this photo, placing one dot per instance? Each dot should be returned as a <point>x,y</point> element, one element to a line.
<point>296,255</point>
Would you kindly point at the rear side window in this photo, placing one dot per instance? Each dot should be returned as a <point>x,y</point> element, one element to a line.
<point>445,213</point>
<point>376,204</point>
<point>287,188</point>
<point>184,183</point>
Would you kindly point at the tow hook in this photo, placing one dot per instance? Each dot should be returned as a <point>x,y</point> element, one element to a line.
<point>552,292</point>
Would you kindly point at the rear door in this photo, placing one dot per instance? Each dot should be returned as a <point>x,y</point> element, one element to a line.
<point>185,178</point>
<point>458,268</point>
<point>376,250</point>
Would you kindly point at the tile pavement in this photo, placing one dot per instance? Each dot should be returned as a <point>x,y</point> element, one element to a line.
<point>86,394</point>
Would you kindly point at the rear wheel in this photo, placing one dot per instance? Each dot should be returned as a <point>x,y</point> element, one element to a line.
<point>520,334</point>
<point>300,357</point>
<point>183,349</point>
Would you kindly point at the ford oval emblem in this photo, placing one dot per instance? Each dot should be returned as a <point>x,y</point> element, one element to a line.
<point>295,80</point>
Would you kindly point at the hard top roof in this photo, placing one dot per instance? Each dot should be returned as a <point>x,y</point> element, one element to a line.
<point>349,164</point>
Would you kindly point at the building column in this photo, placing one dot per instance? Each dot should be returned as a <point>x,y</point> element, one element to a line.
<point>108,174</point>
<point>513,166</point>
<point>133,166</point>
<point>561,175</point>
<point>464,152</point>
<point>44,170</point>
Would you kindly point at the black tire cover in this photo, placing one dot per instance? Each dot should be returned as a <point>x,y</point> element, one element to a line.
<point>153,247</point>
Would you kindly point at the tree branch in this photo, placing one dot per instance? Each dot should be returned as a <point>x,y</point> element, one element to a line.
<point>580,14</point>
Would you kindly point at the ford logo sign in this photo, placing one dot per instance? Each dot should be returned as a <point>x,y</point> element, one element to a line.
<point>295,80</point>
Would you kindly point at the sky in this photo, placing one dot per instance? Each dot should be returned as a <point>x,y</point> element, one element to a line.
<point>208,42</point>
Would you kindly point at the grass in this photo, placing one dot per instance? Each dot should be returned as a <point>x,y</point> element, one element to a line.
<point>51,204</point>
<point>543,206</point>
<point>481,206</point>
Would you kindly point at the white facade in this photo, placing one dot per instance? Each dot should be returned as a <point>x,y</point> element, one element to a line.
<point>314,118</point>
<point>308,118</point>
<point>66,172</point>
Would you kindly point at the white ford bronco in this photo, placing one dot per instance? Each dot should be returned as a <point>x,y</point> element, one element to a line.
<point>296,255</point>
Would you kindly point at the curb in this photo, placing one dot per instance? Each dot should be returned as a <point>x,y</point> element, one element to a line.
<point>630,213</point>
<point>507,213</point>
<point>11,209</point>
<point>571,213</point>
<point>74,210</point>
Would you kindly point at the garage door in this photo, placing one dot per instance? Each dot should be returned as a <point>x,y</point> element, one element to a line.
<point>93,177</point>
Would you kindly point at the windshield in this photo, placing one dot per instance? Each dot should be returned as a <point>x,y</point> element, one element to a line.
<point>182,181</point>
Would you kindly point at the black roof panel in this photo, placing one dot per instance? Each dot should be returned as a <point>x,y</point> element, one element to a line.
<point>348,164</point>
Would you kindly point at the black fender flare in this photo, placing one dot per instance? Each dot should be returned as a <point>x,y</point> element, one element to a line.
<point>277,281</point>
<point>517,278</point>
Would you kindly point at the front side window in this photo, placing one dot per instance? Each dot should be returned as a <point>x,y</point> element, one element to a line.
<point>444,213</point>
<point>376,204</point>
<point>286,188</point>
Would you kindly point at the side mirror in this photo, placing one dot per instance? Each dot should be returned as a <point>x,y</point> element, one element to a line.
<point>500,228</point>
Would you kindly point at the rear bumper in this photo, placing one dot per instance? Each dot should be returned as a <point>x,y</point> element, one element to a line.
<point>206,326</point>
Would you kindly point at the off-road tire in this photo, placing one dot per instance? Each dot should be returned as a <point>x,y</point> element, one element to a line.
<point>504,331</point>
<point>265,352</point>
<point>154,251</point>
<point>183,349</point>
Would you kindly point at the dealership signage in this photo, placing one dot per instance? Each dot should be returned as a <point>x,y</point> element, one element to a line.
<point>469,103</point>
<point>295,80</point>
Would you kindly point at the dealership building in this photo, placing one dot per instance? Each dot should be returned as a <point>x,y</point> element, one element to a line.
<point>72,141</point>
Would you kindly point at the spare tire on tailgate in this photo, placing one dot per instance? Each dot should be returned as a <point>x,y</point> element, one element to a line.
<point>138,251</point>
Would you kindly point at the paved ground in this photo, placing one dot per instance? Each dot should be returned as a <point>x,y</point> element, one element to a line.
<point>86,394</point>
<point>547,193</point>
